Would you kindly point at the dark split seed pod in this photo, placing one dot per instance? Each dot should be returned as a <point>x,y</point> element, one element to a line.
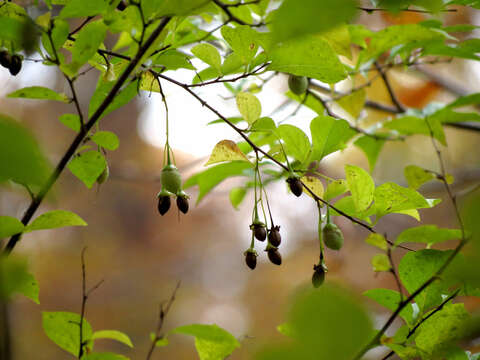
<point>274,236</point>
<point>259,231</point>
<point>251,259</point>
<point>182,204</point>
<point>5,59</point>
<point>163,204</point>
<point>318,276</point>
<point>274,256</point>
<point>15,65</point>
<point>296,186</point>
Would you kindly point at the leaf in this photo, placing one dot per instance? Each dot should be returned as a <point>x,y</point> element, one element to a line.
<point>104,356</point>
<point>361,186</point>
<point>113,335</point>
<point>249,106</point>
<point>428,234</point>
<point>443,327</point>
<point>10,226</point>
<point>313,184</point>
<point>226,150</point>
<point>87,167</point>
<point>122,98</point>
<point>371,147</point>
<point>377,240</point>
<point>39,93</point>
<point>411,125</point>
<point>160,8</point>
<point>380,263</point>
<point>237,195</point>
<point>63,329</point>
<point>296,143</point>
<point>340,40</point>
<point>416,176</point>
<point>211,341</point>
<point>243,40</point>
<point>89,39</point>
<point>59,35</point>
<point>329,135</point>
<point>15,278</point>
<point>390,299</point>
<point>354,103</point>
<point>417,267</point>
<point>21,159</point>
<point>208,54</point>
<point>55,219</point>
<point>335,188</point>
<point>391,198</point>
<point>173,60</point>
<point>309,56</point>
<point>106,139</point>
<point>310,102</point>
<point>83,8</point>
<point>71,121</point>
<point>313,16</point>
<point>160,342</point>
<point>214,175</point>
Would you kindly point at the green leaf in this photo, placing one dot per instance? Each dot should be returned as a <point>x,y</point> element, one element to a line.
<point>249,106</point>
<point>310,102</point>
<point>160,342</point>
<point>87,43</point>
<point>104,356</point>
<point>393,198</point>
<point>416,267</point>
<point>103,88</point>
<point>113,335</point>
<point>416,176</point>
<point>208,54</point>
<point>106,139</point>
<point>59,35</point>
<point>411,125</point>
<point>428,234</point>
<point>55,219</point>
<point>442,328</point>
<point>173,60</point>
<point>39,93</point>
<point>171,7</point>
<point>71,121</point>
<point>214,175</point>
<point>391,299</point>
<point>87,167</point>
<point>361,186</point>
<point>243,40</point>
<point>377,240</point>
<point>354,103</point>
<point>83,8</point>
<point>63,329</point>
<point>381,262</point>
<point>335,188</point>
<point>15,278</point>
<point>211,341</point>
<point>340,40</point>
<point>237,195</point>
<point>322,319</point>
<point>295,141</point>
<point>20,156</point>
<point>329,135</point>
<point>311,56</point>
<point>10,226</point>
<point>371,147</point>
<point>313,16</point>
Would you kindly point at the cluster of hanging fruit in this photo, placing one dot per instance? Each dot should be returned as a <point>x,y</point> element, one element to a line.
<point>171,187</point>
<point>12,62</point>
<point>274,239</point>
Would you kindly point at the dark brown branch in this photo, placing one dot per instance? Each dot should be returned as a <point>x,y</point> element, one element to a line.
<point>75,100</point>
<point>226,9</point>
<point>394,98</point>
<point>371,10</point>
<point>85,22</point>
<point>81,135</point>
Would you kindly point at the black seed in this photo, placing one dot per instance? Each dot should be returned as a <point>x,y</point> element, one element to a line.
<point>274,236</point>
<point>163,204</point>
<point>15,65</point>
<point>318,276</point>
<point>182,204</point>
<point>274,256</point>
<point>122,5</point>
<point>259,232</point>
<point>295,185</point>
<point>251,259</point>
<point>5,59</point>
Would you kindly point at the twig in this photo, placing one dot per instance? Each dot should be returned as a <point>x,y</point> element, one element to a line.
<point>393,271</point>
<point>394,98</point>
<point>85,22</point>
<point>75,101</point>
<point>231,17</point>
<point>161,319</point>
<point>81,135</point>
<point>371,10</point>
<point>242,76</point>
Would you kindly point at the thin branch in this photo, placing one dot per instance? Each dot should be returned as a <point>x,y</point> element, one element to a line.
<point>231,17</point>
<point>81,135</point>
<point>392,94</point>
<point>393,271</point>
<point>161,319</point>
<point>371,10</point>
<point>220,80</point>
<point>85,22</point>
<point>237,4</point>
<point>75,100</point>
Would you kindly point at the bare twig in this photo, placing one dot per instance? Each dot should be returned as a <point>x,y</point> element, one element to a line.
<point>75,101</point>
<point>231,17</point>
<point>392,94</point>
<point>371,10</point>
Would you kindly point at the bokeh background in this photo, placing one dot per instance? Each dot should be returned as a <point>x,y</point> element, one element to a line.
<point>141,255</point>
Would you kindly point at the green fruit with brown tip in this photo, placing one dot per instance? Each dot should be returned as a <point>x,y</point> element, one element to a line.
<point>104,175</point>
<point>332,236</point>
<point>297,84</point>
<point>171,179</point>
<point>318,276</point>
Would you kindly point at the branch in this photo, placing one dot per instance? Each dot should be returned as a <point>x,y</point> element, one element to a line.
<point>371,10</point>
<point>394,98</point>
<point>35,203</point>
<point>226,9</point>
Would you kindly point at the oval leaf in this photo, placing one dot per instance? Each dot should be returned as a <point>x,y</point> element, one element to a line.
<point>87,167</point>
<point>10,226</point>
<point>106,139</point>
<point>313,184</point>
<point>226,150</point>
<point>113,335</point>
<point>361,186</point>
<point>249,106</point>
<point>39,93</point>
<point>55,219</point>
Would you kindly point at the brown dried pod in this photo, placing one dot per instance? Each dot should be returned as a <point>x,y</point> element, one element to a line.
<point>15,65</point>
<point>259,231</point>
<point>274,256</point>
<point>182,204</point>
<point>5,59</point>
<point>274,236</point>
<point>296,186</point>
<point>163,204</point>
<point>251,258</point>
<point>318,276</point>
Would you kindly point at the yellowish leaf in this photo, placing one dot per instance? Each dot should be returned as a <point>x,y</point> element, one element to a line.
<point>249,106</point>
<point>226,150</point>
<point>313,184</point>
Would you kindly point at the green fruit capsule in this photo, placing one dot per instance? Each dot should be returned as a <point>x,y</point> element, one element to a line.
<point>332,236</point>
<point>104,175</point>
<point>297,84</point>
<point>171,179</point>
